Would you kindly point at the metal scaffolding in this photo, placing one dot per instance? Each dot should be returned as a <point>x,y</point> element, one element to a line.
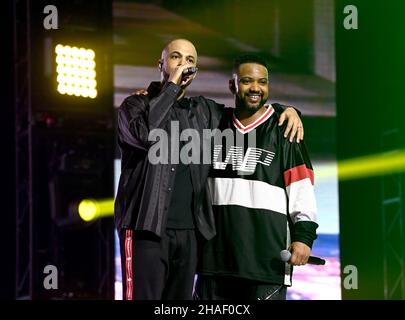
<point>23,139</point>
<point>393,225</point>
<point>39,240</point>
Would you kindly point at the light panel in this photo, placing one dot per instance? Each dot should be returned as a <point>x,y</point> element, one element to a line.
<point>76,71</point>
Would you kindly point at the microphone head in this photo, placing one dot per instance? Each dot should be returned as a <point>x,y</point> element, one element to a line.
<point>285,255</point>
<point>189,71</point>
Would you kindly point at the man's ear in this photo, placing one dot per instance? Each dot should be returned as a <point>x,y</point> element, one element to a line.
<point>232,87</point>
<point>160,64</point>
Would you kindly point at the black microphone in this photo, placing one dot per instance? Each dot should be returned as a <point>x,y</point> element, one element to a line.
<point>285,256</point>
<point>189,71</point>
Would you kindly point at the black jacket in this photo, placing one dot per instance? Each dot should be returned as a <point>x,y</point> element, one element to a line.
<point>144,190</point>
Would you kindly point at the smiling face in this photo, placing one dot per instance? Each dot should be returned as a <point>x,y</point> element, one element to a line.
<point>250,86</point>
<point>176,53</point>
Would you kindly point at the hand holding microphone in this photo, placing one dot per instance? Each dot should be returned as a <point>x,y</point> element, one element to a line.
<point>299,254</point>
<point>182,74</point>
<point>188,75</point>
<point>285,256</point>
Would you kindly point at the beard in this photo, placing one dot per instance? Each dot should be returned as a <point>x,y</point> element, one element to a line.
<point>245,105</point>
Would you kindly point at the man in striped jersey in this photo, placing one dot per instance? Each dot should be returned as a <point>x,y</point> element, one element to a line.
<point>262,196</point>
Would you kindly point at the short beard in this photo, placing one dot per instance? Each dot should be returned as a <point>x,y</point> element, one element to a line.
<point>243,106</point>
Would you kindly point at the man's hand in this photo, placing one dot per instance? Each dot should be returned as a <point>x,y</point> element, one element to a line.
<point>176,76</point>
<point>294,124</point>
<point>300,253</point>
<point>139,92</point>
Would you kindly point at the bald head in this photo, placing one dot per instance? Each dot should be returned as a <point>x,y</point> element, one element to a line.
<point>180,45</point>
<point>179,52</point>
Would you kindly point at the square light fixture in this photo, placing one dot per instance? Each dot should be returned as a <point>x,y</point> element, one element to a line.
<point>76,71</point>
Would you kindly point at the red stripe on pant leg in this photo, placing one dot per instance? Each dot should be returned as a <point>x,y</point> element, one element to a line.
<point>129,279</point>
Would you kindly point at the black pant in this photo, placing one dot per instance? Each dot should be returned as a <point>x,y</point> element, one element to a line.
<point>232,288</point>
<point>156,268</point>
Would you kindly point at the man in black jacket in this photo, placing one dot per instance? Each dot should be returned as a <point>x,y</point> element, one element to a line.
<point>159,204</point>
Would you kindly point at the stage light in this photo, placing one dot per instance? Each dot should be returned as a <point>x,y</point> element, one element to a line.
<point>87,210</point>
<point>91,209</point>
<point>372,165</point>
<point>76,71</point>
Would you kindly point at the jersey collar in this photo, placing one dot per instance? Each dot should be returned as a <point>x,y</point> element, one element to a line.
<point>242,129</point>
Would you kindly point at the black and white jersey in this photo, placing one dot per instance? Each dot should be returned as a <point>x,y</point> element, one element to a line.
<point>262,192</point>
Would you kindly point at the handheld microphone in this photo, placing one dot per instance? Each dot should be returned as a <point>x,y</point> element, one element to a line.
<point>189,71</point>
<point>285,256</point>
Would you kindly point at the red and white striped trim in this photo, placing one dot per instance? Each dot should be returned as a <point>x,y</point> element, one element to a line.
<point>298,173</point>
<point>128,265</point>
<point>241,128</point>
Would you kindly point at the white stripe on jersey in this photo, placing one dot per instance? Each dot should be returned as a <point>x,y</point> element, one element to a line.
<point>302,203</point>
<point>247,193</point>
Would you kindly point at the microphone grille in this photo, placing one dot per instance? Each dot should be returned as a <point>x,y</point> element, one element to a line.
<point>285,255</point>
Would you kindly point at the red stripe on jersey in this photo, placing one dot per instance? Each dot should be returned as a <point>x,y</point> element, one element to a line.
<point>298,173</point>
<point>253,125</point>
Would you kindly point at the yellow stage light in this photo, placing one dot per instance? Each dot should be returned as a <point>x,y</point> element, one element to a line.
<point>87,210</point>
<point>90,209</point>
<point>74,64</point>
<point>372,165</point>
